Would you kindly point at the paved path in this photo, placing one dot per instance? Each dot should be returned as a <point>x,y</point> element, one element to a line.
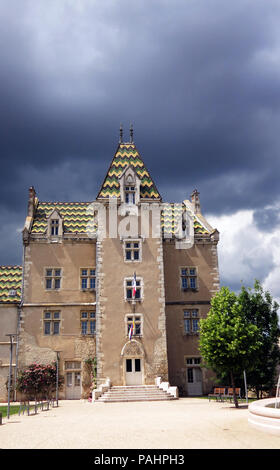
<point>188,423</point>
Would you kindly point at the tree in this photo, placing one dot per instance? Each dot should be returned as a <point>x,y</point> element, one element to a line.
<point>228,341</point>
<point>38,380</point>
<point>260,310</point>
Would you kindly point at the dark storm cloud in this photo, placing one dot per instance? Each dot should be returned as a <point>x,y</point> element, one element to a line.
<point>199,79</point>
<point>267,219</point>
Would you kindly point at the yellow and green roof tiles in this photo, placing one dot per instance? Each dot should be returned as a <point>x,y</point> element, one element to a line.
<point>127,155</point>
<point>171,216</point>
<point>10,284</point>
<point>77,217</point>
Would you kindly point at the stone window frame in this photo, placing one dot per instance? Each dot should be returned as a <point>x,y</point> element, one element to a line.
<point>54,227</point>
<point>75,362</point>
<point>191,319</point>
<point>89,319</point>
<point>138,279</point>
<point>51,320</point>
<point>189,276</point>
<point>129,193</point>
<point>55,216</point>
<point>87,276</point>
<point>193,358</point>
<point>132,240</point>
<point>141,321</point>
<point>129,178</point>
<point>53,277</point>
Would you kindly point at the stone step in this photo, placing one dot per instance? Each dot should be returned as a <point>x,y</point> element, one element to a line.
<point>111,400</point>
<point>135,393</point>
<point>135,387</point>
<point>136,390</point>
<point>125,395</point>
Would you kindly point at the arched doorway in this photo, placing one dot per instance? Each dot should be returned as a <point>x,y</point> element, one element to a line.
<point>133,363</point>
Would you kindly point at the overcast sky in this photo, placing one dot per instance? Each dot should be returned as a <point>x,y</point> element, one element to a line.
<point>199,80</point>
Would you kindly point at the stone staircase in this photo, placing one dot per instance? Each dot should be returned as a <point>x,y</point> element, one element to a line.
<point>135,393</point>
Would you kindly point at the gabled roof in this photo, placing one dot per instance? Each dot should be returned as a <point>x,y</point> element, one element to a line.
<point>127,154</point>
<point>10,280</point>
<point>77,216</point>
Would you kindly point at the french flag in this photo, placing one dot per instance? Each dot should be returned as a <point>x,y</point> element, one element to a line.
<point>134,286</point>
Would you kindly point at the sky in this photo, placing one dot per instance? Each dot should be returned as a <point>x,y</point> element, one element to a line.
<point>198,79</point>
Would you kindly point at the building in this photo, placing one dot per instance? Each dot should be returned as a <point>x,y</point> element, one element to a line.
<point>10,297</point>
<point>123,279</point>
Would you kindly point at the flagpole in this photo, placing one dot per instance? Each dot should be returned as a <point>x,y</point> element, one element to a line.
<point>134,291</point>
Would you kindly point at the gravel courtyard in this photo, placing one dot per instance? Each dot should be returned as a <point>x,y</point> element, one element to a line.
<point>187,423</point>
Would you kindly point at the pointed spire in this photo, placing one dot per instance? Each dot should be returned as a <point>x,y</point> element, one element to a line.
<point>121,134</point>
<point>131,133</point>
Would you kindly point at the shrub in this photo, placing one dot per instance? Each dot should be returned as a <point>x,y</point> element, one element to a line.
<point>38,380</point>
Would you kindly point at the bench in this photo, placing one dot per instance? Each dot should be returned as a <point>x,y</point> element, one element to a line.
<point>230,393</point>
<point>218,393</point>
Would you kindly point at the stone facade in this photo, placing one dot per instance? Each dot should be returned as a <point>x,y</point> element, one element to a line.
<point>78,280</point>
<point>10,313</point>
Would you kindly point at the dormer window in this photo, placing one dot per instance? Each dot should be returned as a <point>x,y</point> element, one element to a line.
<point>129,187</point>
<point>54,226</point>
<point>130,194</point>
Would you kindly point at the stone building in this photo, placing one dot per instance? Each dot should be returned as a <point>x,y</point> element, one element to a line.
<point>123,279</point>
<point>10,297</point>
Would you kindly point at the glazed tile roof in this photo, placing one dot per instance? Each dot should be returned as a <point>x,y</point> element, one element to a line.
<point>172,214</point>
<point>77,216</point>
<point>10,280</point>
<point>127,154</point>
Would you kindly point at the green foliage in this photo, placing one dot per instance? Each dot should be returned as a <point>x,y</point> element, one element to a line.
<point>228,341</point>
<point>241,332</point>
<point>13,410</point>
<point>38,380</point>
<point>261,311</point>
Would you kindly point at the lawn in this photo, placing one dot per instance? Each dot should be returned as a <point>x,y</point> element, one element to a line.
<point>13,410</point>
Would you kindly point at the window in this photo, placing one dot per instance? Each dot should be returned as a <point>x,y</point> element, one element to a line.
<point>132,250</point>
<point>190,375</point>
<point>189,278</point>
<point>134,323</point>
<point>88,278</point>
<point>53,278</point>
<point>54,226</point>
<point>51,323</point>
<point>191,321</point>
<point>72,365</point>
<point>193,361</point>
<point>129,290</point>
<point>129,192</point>
<point>88,323</point>
<point>137,365</point>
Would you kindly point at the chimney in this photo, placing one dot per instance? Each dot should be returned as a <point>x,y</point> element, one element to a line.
<point>196,201</point>
<point>31,201</point>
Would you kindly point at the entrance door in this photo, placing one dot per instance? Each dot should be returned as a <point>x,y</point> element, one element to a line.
<point>194,381</point>
<point>73,385</point>
<point>133,369</point>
